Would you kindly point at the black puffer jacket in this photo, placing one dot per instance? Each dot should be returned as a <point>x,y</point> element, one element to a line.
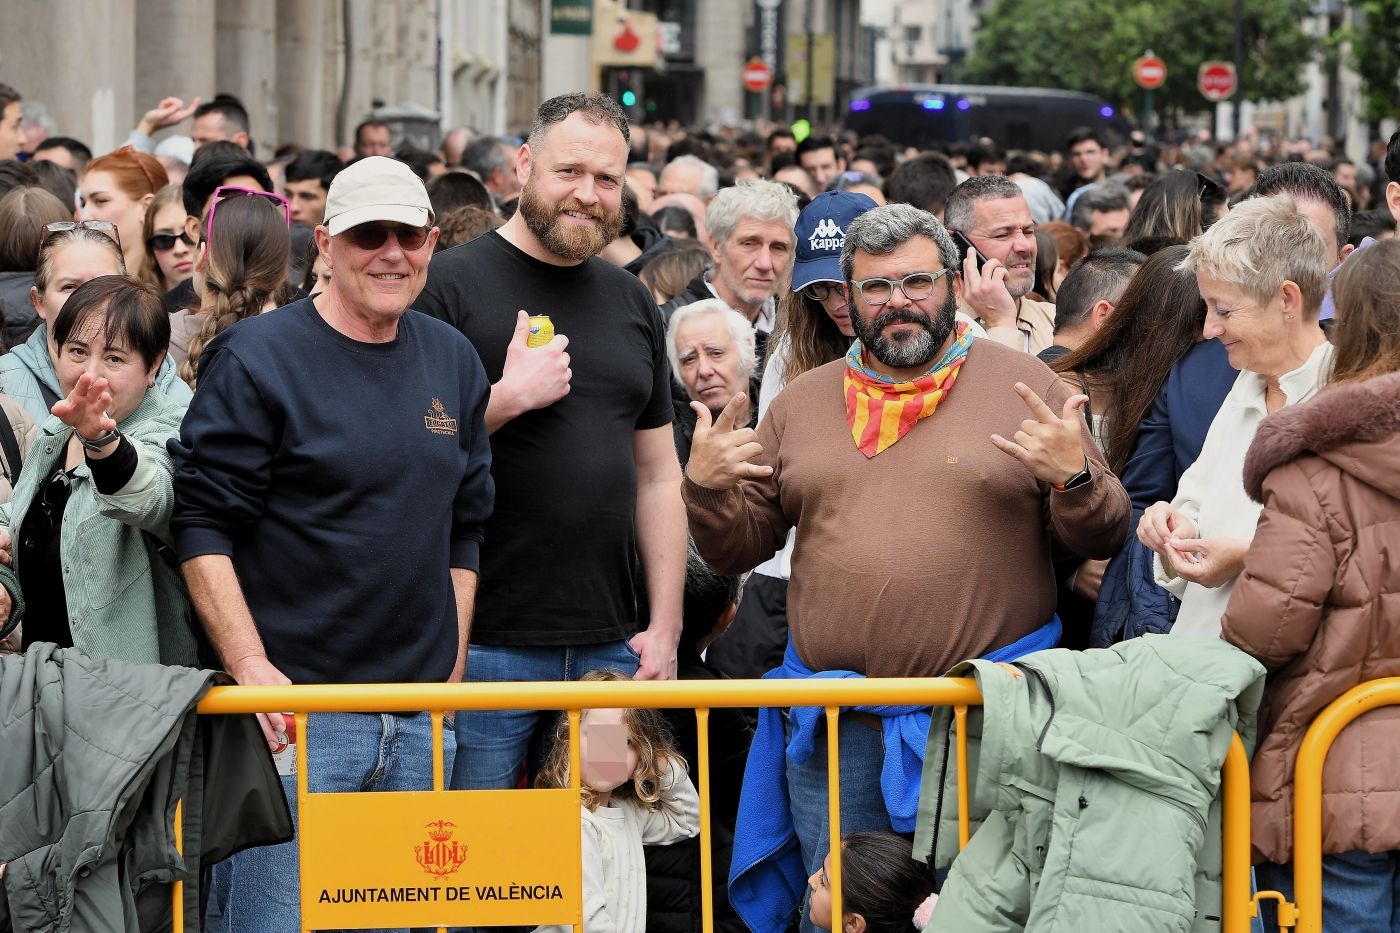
<point>673,871</point>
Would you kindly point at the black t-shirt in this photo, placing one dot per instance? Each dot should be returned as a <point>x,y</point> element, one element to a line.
<point>556,568</point>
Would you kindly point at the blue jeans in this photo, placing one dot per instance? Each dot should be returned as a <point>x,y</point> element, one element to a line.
<point>863,808</point>
<point>493,744</point>
<point>259,890</point>
<point>1360,892</point>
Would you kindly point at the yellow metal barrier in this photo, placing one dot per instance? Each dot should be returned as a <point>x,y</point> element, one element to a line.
<point>702,696</point>
<point>1307,791</point>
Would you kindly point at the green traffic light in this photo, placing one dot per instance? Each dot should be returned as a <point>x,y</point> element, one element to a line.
<point>629,98</point>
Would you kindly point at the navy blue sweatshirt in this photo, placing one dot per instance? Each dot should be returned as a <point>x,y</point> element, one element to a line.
<point>344,480</point>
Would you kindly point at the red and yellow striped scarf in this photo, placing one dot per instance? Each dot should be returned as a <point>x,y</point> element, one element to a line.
<point>881,411</point>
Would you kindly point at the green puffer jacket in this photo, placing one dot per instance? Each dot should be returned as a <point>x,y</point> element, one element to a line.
<point>125,601</point>
<point>1094,777</point>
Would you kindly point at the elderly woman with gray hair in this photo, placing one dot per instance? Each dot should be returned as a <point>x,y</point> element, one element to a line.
<point>1262,271</point>
<point>712,352</point>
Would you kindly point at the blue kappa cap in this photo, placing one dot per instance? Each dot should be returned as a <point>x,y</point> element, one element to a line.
<point>821,233</point>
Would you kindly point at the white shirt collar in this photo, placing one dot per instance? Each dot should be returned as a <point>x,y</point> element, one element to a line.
<point>767,313</point>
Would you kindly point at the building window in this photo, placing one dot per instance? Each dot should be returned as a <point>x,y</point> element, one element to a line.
<point>912,33</point>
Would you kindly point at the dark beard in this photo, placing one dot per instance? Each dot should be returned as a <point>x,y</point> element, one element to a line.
<point>916,348</point>
<point>574,244</point>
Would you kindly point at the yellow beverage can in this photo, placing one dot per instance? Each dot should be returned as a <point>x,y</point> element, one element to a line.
<point>541,330</point>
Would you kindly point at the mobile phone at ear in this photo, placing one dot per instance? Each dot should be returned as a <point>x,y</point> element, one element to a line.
<point>964,247</point>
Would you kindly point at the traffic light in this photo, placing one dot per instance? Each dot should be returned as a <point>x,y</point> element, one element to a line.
<point>626,84</point>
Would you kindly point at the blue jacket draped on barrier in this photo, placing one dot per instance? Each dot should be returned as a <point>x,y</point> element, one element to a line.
<point>767,876</point>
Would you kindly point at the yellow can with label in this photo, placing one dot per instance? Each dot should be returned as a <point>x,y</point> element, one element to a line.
<point>541,330</point>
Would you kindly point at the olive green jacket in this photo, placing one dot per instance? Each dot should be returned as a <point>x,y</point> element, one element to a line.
<point>124,600</point>
<point>1094,777</point>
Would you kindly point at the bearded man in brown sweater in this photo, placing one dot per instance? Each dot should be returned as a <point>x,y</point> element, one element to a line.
<point>926,473</point>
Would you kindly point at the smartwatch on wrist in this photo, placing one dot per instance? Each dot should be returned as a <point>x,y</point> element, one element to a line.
<point>1078,479</point>
<point>96,444</point>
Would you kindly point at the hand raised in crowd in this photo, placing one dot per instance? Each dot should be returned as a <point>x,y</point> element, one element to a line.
<point>534,377</point>
<point>984,291</point>
<point>260,672</point>
<point>1210,562</point>
<point>1160,524</point>
<point>85,408</point>
<point>1048,445</point>
<point>168,112</point>
<point>658,651</point>
<point>720,455</point>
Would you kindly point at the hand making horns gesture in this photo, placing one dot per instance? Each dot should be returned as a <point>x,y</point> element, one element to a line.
<point>1048,445</point>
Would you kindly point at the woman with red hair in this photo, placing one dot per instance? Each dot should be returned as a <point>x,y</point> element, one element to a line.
<point>118,187</point>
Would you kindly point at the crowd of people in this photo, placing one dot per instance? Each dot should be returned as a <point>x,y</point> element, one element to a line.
<point>620,401</point>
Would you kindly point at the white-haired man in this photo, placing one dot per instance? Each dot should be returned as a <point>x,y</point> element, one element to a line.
<point>711,348</point>
<point>751,225</point>
<point>689,174</point>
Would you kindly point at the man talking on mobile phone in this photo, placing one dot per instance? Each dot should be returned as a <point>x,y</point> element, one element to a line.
<point>991,212</point>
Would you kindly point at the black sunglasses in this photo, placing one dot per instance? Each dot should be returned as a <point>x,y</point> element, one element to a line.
<point>163,242</point>
<point>370,237</point>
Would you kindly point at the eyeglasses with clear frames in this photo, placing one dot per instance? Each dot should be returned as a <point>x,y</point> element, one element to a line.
<point>916,286</point>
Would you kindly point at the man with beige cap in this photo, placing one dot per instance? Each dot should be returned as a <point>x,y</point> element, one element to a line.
<point>332,481</point>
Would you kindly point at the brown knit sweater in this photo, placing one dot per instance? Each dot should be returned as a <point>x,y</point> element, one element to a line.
<point>937,549</point>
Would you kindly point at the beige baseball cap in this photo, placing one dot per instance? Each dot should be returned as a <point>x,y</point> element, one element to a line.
<point>376,188</point>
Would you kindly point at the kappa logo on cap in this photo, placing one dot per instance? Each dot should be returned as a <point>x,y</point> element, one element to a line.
<point>827,235</point>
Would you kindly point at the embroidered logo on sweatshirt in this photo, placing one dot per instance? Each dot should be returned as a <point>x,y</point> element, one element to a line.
<point>437,420</point>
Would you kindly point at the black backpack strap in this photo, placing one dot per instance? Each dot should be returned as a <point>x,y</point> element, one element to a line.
<point>49,396</point>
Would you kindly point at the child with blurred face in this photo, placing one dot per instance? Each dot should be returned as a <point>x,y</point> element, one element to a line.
<point>635,792</point>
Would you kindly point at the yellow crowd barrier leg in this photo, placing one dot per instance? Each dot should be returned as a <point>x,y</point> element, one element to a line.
<point>1237,899</point>
<point>833,792</point>
<point>303,753</point>
<point>177,922</point>
<point>964,793</point>
<point>439,754</point>
<point>576,782</point>
<point>707,868</point>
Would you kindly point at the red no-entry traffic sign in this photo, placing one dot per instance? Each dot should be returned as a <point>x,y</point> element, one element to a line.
<point>1217,80</point>
<point>1150,72</point>
<point>757,75</point>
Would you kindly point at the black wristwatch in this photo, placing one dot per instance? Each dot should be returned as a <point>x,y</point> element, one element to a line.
<point>96,444</point>
<point>1078,479</point>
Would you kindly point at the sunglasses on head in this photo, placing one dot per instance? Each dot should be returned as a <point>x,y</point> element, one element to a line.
<point>68,226</point>
<point>225,192</point>
<point>371,236</point>
<point>164,242</point>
